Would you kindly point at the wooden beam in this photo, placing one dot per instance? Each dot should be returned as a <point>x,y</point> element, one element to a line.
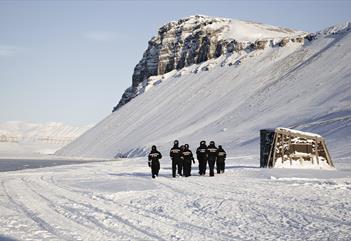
<point>283,148</point>
<point>290,151</point>
<point>270,151</point>
<point>330,162</point>
<point>298,135</point>
<point>274,148</point>
<point>317,157</point>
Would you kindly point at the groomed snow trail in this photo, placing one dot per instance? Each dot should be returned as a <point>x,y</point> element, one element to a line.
<point>118,200</point>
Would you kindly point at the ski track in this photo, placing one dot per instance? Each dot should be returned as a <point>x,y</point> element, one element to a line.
<point>58,203</point>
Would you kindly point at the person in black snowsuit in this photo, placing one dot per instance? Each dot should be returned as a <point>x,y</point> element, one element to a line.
<point>188,158</point>
<point>221,159</point>
<point>201,155</point>
<point>154,161</point>
<point>176,155</point>
<point>181,162</point>
<point>212,154</point>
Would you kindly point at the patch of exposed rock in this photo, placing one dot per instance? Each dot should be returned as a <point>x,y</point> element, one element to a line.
<point>193,40</point>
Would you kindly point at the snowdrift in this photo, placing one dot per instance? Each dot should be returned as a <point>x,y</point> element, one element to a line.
<point>305,86</point>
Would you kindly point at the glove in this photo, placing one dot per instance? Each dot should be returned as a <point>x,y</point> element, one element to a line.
<point>149,163</point>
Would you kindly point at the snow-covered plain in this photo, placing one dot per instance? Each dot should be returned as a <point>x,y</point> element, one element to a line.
<point>118,200</point>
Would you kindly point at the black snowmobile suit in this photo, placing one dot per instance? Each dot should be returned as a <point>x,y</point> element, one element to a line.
<point>201,155</point>
<point>175,155</point>
<point>154,162</point>
<point>221,160</point>
<point>188,158</point>
<point>212,154</point>
<point>181,162</point>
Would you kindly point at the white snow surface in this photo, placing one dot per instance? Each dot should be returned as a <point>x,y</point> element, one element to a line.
<point>252,31</point>
<point>118,200</point>
<point>20,138</point>
<point>242,31</point>
<point>313,135</point>
<point>229,99</point>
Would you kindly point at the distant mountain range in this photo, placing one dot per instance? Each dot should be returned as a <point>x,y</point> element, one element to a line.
<point>48,133</point>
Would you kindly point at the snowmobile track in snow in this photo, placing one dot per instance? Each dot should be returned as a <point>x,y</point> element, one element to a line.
<point>90,201</point>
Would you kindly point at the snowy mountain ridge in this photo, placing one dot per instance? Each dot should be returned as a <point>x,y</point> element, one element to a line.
<point>51,132</point>
<point>200,38</point>
<point>305,85</point>
<point>336,29</point>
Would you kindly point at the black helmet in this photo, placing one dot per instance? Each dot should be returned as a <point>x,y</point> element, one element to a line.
<point>186,146</point>
<point>203,143</point>
<point>153,148</point>
<point>220,146</point>
<point>212,143</point>
<point>176,142</point>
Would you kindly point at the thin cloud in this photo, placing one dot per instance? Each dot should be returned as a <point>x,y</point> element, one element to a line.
<point>103,36</point>
<point>6,50</point>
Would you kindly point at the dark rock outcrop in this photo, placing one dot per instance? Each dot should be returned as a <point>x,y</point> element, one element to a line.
<point>185,42</point>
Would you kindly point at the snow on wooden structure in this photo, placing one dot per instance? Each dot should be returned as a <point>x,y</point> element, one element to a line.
<point>282,147</point>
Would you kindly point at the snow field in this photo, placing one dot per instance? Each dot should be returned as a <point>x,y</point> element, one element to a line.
<point>119,200</point>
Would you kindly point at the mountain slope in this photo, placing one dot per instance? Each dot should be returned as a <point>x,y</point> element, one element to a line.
<point>24,138</point>
<point>199,38</point>
<point>52,132</point>
<point>229,99</point>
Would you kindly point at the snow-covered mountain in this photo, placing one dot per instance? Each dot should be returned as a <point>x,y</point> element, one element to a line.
<point>198,38</point>
<point>25,139</point>
<point>52,132</point>
<point>273,77</point>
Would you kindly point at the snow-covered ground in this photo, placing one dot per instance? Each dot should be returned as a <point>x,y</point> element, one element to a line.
<point>119,200</point>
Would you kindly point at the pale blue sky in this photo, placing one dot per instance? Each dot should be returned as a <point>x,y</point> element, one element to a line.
<point>70,61</point>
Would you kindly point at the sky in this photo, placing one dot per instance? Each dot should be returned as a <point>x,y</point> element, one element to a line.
<point>70,61</point>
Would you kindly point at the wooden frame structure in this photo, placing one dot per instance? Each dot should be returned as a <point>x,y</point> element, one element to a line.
<point>290,146</point>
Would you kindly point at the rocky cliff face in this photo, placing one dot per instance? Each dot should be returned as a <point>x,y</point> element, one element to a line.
<point>306,87</point>
<point>196,39</point>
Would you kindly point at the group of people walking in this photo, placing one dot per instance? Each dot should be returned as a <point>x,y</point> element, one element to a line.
<point>182,159</point>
